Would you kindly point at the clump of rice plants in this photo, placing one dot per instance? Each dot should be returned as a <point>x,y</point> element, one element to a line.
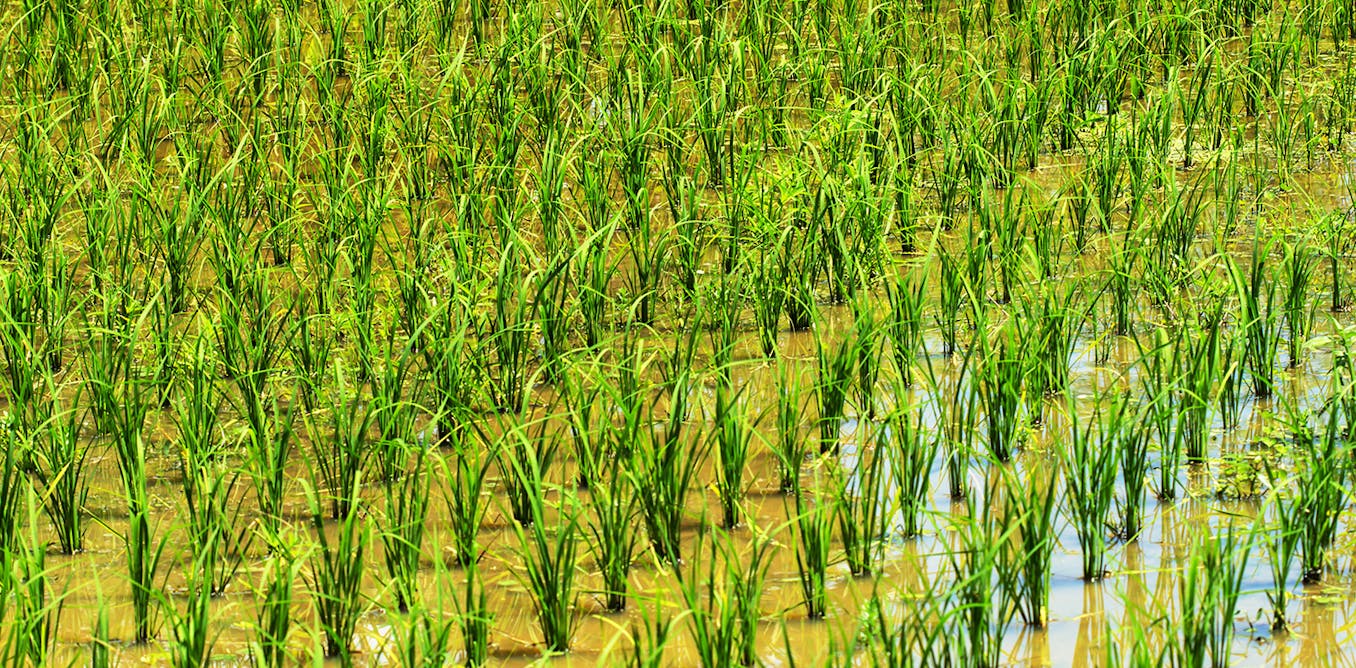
<point>335,573</point>
<point>550,555</point>
<point>294,274</point>
<point>1091,464</point>
<point>812,527</point>
<point>860,501</point>
<point>835,380</point>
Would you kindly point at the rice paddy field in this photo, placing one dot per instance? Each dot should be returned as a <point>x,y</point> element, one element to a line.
<point>677,333</point>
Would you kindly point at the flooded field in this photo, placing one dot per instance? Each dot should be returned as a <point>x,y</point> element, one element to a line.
<point>677,332</point>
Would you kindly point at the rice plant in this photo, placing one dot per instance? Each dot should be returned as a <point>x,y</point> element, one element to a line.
<point>1259,319</point>
<point>1091,463</point>
<point>334,574</point>
<point>59,460</point>
<point>1297,267</point>
<point>733,434</point>
<point>273,624</point>
<point>812,527</point>
<point>550,550</point>
<point>1034,536</point>
<point>1320,488</point>
<point>860,502</point>
<point>406,515</point>
<point>1001,374</point>
<point>836,362</point>
<point>789,446</point>
<point>611,532</point>
<point>912,454</point>
<point>663,469</point>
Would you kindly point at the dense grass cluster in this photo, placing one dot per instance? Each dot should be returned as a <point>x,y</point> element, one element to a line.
<point>352,309</point>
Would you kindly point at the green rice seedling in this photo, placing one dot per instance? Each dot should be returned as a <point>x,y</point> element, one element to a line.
<point>733,435</point>
<point>1207,591</point>
<point>689,244</point>
<point>595,272</point>
<point>589,443</point>
<point>59,474</point>
<point>907,297</point>
<point>393,414</point>
<point>36,619</point>
<point>1121,286</point>
<point>866,344</point>
<point>979,604</point>
<point>428,631</point>
<point>721,308</point>
<point>662,469</point>
<point>510,332</point>
<point>166,345</point>
<point>524,441</point>
<point>17,344</point>
<point>708,593</point>
<point>789,445</point>
<point>611,534</point>
<point>465,496</point>
<point>100,644</point>
<point>1124,428</point>
<point>191,624</point>
<point>1230,380</point>
<point>1159,365</point>
<point>249,328</point>
<point>649,637</point>
<point>957,402</point>
<point>1258,319</point>
<point>1091,463</point>
<point>769,299</point>
<point>1000,378</point>
<point>1034,535</point>
<point>56,299</point>
<point>1321,497</point>
<point>214,516</point>
<point>812,527</point>
<point>861,504</point>
<point>450,372</point>
<point>548,306</point>
<point>1297,267</point>
<point>340,453</point>
<point>143,550</point>
<point>266,458</point>
<point>105,356</point>
<point>1282,541</point>
<point>836,364</point>
<point>273,622</point>
<point>335,572</point>
<point>550,556</point>
<point>1200,370</point>
<point>310,344</point>
<point>799,266</point>
<point>918,637</point>
<point>723,591</point>
<point>1336,229</point>
<point>649,253</point>
<point>405,521</point>
<point>474,617</point>
<point>951,298</point>
<point>1060,322</point>
<point>912,455</point>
